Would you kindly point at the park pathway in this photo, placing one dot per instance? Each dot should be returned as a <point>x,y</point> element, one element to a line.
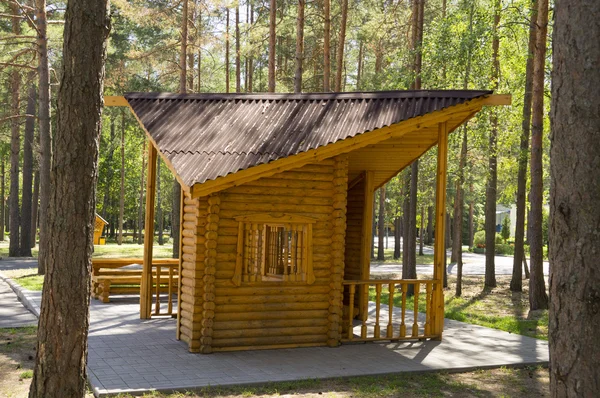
<point>12,313</point>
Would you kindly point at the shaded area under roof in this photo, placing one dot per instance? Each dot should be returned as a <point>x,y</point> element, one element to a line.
<point>206,136</point>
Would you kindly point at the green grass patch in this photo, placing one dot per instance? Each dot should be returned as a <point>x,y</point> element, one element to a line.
<point>426,259</point>
<point>28,374</point>
<point>31,282</point>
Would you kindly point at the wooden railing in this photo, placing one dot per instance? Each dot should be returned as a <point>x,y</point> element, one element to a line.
<point>398,326</point>
<point>171,280</point>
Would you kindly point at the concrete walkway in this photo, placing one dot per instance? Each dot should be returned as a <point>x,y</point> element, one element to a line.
<point>12,313</point>
<point>127,354</point>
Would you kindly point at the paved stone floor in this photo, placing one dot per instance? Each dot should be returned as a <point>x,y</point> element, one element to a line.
<point>127,354</point>
<point>12,313</point>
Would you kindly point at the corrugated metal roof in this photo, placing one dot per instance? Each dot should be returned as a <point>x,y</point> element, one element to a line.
<point>206,136</point>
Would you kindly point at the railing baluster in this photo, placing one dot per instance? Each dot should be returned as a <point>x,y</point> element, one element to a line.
<point>427,309</point>
<point>364,316</point>
<point>390,328</point>
<point>402,324</point>
<point>415,327</point>
<point>170,289</point>
<point>157,307</point>
<point>351,312</point>
<point>377,331</point>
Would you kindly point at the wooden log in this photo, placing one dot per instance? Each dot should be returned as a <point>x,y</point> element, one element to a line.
<point>272,299</point>
<point>270,340</point>
<point>269,315</point>
<point>269,332</point>
<point>268,323</point>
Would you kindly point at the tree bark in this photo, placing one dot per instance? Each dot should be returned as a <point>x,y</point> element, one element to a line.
<point>175,215</point>
<point>2,199</point>
<point>15,146</point>
<point>44,127</point>
<point>109,171</point>
<point>183,49</point>
<point>227,64</point>
<point>458,213</point>
<point>381,224</point>
<point>238,81</point>
<point>326,46</point>
<point>340,52</point>
<point>122,195</point>
<point>141,202</point>
<point>299,47</point>
<point>516,282</point>
<point>64,317</point>
<point>429,236</point>
<point>397,236</point>
<point>538,299</point>
<point>35,207</point>
<point>492,183</point>
<point>272,38</point>
<point>27,194</point>
<point>159,214</point>
<point>360,64</point>
<point>471,216</point>
<point>412,225</point>
<point>422,231</point>
<point>405,216</point>
<point>575,194</point>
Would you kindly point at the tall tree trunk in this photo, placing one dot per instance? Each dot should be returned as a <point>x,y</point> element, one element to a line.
<point>227,64</point>
<point>109,171</point>
<point>397,236</point>
<point>35,207</point>
<point>141,201</point>
<point>575,194</point>
<point>159,215</point>
<point>381,226</point>
<point>458,213</point>
<point>459,200</point>
<point>492,183</point>
<point>422,232</point>
<point>183,49</point>
<point>360,64</point>
<point>327,46</point>
<point>15,147</point>
<point>412,225</point>
<point>2,199</point>
<point>122,191</point>
<point>471,216</point>
<point>429,239</point>
<point>538,299</point>
<point>190,42</point>
<point>272,39</point>
<point>374,227</point>
<point>199,43</point>
<point>340,52</point>
<point>27,195</point>
<point>251,58</point>
<point>516,282</point>
<point>448,244</point>
<point>405,215</point>
<point>64,317</point>
<point>238,81</point>
<point>44,128</point>
<point>299,47</point>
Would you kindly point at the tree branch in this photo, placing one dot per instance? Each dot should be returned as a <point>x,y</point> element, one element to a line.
<point>17,65</point>
<point>4,119</point>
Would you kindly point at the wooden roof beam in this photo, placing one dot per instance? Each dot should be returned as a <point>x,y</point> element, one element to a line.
<point>115,100</point>
<point>497,100</point>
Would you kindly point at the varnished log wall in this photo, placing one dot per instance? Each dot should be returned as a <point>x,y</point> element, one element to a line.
<point>217,315</point>
<point>193,230</point>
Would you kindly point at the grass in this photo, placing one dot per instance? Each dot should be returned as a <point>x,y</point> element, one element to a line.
<point>17,357</point>
<point>496,308</point>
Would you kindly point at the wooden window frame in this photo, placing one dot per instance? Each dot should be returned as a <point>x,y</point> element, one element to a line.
<point>261,223</point>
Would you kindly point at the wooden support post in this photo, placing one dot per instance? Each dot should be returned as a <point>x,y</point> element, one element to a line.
<point>365,249</point>
<point>146,283</point>
<point>439,250</point>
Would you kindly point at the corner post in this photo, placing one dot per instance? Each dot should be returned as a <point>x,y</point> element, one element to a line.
<point>146,283</point>
<point>439,250</point>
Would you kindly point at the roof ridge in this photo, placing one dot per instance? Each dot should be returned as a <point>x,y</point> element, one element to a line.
<point>179,151</point>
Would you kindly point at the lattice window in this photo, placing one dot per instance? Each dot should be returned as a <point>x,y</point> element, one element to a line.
<point>274,248</point>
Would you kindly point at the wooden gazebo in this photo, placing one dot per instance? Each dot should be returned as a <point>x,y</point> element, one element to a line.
<point>277,193</point>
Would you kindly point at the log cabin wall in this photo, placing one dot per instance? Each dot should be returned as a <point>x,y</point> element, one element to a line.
<point>190,311</point>
<point>275,314</point>
<point>354,216</point>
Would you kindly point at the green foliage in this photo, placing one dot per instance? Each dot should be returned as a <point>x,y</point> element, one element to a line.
<point>505,249</point>
<point>479,239</point>
<point>505,232</point>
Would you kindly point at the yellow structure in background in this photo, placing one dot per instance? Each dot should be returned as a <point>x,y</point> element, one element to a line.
<point>98,229</point>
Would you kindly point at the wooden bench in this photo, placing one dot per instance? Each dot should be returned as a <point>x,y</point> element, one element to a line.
<point>116,276</point>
